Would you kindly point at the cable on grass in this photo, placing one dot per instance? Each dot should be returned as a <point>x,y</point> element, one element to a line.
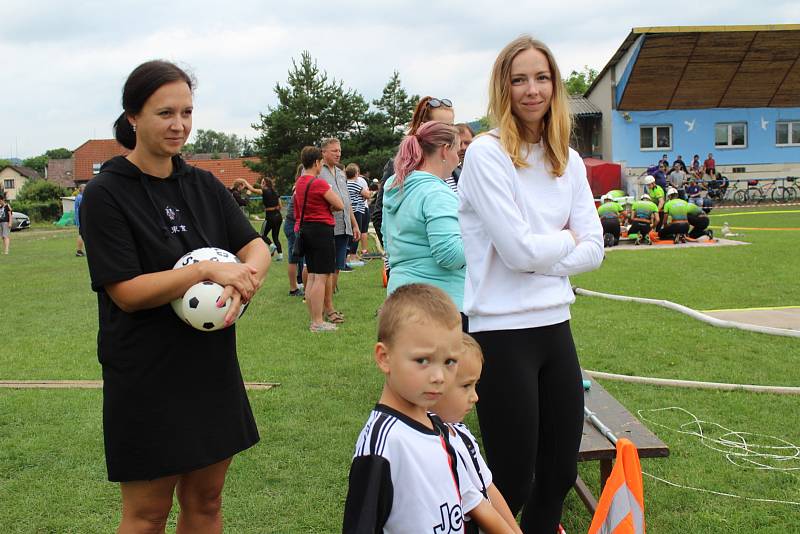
<point>745,450</point>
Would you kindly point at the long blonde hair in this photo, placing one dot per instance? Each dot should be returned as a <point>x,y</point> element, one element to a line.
<point>556,123</point>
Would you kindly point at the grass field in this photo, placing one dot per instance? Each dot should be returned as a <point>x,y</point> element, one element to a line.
<point>52,471</point>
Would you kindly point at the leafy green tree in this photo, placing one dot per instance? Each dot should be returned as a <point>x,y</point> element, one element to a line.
<point>38,163</point>
<point>213,142</point>
<point>395,104</point>
<point>310,107</point>
<point>58,153</point>
<point>4,163</point>
<point>40,191</point>
<point>578,83</point>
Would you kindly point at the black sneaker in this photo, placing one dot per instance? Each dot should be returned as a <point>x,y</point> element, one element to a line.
<point>297,293</point>
<point>80,254</point>
<point>346,269</point>
<point>608,240</point>
<point>710,234</point>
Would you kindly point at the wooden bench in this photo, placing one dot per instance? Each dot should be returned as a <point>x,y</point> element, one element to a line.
<point>595,446</point>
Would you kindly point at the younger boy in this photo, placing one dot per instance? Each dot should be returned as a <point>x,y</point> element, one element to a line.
<point>452,408</point>
<point>405,476</point>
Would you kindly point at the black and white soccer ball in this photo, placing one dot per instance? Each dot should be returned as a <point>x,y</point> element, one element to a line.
<point>200,308</point>
<point>196,256</point>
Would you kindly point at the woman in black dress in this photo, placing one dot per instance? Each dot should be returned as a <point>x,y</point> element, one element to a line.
<point>175,409</point>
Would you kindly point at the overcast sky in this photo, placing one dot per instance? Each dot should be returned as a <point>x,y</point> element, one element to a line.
<point>64,63</point>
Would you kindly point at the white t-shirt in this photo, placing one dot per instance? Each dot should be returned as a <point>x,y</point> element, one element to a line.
<point>406,478</point>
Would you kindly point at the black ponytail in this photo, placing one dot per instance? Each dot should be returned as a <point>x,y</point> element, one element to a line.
<point>145,80</point>
<point>123,132</point>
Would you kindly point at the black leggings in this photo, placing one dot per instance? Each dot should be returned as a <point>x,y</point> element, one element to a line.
<point>641,228</point>
<point>272,222</point>
<point>531,417</point>
<point>670,230</point>
<point>699,225</point>
<point>611,226</point>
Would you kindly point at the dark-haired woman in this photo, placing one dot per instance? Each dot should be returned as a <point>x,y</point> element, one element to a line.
<point>174,404</point>
<point>272,215</point>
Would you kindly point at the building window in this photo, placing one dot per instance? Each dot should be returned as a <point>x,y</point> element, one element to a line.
<point>96,168</point>
<point>8,184</point>
<point>787,133</point>
<point>655,137</point>
<point>730,135</point>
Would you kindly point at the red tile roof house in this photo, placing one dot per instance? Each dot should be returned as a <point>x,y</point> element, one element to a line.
<point>228,170</point>
<point>90,156</point>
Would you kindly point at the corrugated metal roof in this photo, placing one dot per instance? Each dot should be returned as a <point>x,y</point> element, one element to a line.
<point>582,107</point>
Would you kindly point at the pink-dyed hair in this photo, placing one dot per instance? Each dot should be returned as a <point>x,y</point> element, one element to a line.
<point>424,142</point>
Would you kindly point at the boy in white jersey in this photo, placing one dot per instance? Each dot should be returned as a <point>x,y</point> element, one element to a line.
<point>406,476</point>
<point>452,408</point>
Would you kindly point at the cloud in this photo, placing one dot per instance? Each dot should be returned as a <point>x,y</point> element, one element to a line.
<point>65,63</point>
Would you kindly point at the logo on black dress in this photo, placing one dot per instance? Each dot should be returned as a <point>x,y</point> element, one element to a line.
<point>174,215</point>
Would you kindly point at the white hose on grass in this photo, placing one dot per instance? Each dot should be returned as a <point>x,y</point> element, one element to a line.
<point>721,323</point>
<point>719,386</point>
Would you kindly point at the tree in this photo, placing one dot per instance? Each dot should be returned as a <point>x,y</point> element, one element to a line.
<point>58,153</point>
<point>41,191</point>
<point>578,83</point>
<point>310,107</point>
<point>395,104</point>
<point>213,142</point>
<point>38,163</point>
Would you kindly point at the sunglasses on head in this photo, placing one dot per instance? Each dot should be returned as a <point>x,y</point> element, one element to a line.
<point>438,102</point>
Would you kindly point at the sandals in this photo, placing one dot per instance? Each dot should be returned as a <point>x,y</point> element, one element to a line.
<point>334,316</point>
<point>322,327</point>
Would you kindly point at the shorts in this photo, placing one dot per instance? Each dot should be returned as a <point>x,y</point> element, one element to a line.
<point>342,242</point>
<point>5,229</point>
<point>319,247</point>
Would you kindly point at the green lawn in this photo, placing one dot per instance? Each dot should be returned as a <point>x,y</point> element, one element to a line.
<point>52,471</point>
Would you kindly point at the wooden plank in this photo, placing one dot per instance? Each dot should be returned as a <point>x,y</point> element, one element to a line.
<point>722,47</point>
<point>703,85</point>
<point>585,495</point>
<point>756,83</point>
<point>595,446</point>
<point>788,94</point>
<point>778,46</point>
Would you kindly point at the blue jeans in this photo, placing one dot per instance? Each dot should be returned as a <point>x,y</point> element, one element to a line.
<point>342,242</point>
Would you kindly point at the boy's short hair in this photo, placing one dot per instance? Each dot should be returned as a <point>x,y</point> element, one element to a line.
<point>309,156</point>
<point>351,171</point>
<point>416,303</point>
<point>471,346</point>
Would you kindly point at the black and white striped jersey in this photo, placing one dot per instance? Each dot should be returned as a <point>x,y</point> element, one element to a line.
<point>407,478</point>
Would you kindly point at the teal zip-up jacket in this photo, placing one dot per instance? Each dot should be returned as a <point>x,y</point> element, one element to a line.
<point>422,236</point>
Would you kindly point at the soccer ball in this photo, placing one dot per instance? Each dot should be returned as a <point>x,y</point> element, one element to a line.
<point>199,307</point>
<point>196,256</point>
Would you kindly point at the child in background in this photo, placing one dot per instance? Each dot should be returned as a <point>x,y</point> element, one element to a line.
<point>452,408</point>
<point>406,476</point>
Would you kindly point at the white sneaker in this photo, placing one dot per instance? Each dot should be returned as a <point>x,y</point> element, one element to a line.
<point>272,249</point>
<point>279,257</point>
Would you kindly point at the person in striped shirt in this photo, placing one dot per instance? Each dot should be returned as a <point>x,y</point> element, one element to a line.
<point>358,191</point>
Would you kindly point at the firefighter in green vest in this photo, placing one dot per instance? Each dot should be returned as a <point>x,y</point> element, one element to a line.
<point>676,225</point>
<point>609,213</point>
<point>644,217</point>
<point>698,220</point>
<point>656,193</point>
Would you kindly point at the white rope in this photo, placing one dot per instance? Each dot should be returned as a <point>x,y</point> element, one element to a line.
<point>738,447</point>
<point>721,323</point>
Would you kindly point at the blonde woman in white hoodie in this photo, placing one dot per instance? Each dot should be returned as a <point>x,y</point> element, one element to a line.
<point>528,221</point>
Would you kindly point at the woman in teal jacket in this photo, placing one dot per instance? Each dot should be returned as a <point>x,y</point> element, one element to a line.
<point>420,212</point>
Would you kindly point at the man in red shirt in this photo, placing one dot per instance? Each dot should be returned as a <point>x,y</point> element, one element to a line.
<point>710,166</point>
